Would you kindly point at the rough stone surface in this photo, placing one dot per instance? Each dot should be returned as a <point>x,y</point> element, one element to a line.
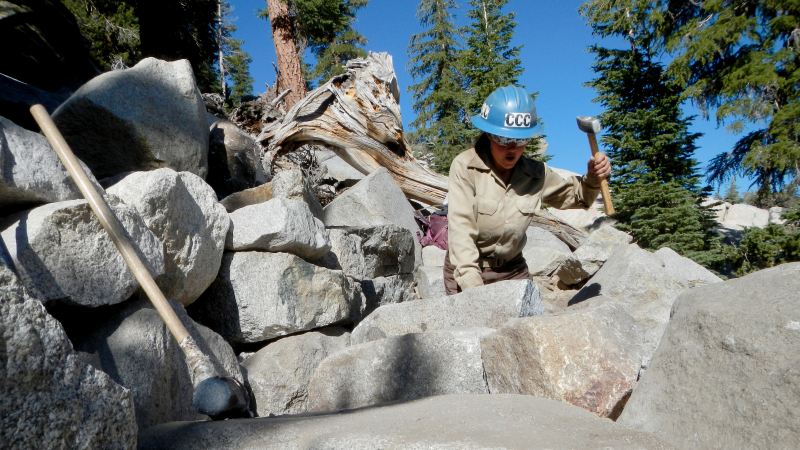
<point>259,296</point>
<point>335,167</point>
<point>292,185</point>
<point>775,214</point>
<point>370,252</point>
<point>49,398</point>
<point>543,261</point>
<point>137,350</point>
<point>400,368</point>
<point>278,225</point>
<point>485,306</point>
<point>638,280</point>
<point>591,255</point>
<point>746,216</point>
<point>540,238</point>
<point>514,422</point>
<point>589,220</point>
<point>684,268</point>
<point>279,373</point>
<point>183,212</point>
<point>430,282</point>
<point>62,253</point>
<point>726,373</point>
<point>375,200</point>
<point>252,196</point>
<point>433,256</point>
<point>382,291</point>
<point>143,118</point>
<point>589,357</point>
<point>234,160</point>
<point>30,171</point>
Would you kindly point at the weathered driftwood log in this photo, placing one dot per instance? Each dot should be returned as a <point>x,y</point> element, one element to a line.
<point>357,116</point>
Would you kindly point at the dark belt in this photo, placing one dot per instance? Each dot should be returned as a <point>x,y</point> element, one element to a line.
<point>494,263</point>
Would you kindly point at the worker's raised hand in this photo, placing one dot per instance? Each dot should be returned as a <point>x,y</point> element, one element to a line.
<point>600,166</point>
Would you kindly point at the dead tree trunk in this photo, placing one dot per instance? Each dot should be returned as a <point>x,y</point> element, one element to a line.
<point>357,116</point>
<point>286,51</point>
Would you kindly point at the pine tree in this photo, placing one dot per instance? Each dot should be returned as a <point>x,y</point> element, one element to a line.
<point>439,98</point>
<point>655,184</point>
<point>738,60</point>
<point>110,29</point>
<point>332,57</point>
<point>489,62</point>
<point>732,194</point>
<point>234,63</point>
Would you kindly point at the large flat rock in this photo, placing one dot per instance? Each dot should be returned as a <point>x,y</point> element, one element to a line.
<point>445,422</point>
<point>726,373</point>
<point>62,253</point>
<point>485,306</point>
<point>50,398</point>
<point>258,296</point>
<point>400,368</point>
<point>370,252</point>
<point>587,356</point>
<point>143,118</point>
<point>590,256</point>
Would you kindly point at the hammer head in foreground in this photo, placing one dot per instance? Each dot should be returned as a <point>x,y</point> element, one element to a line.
<point>589,125</point>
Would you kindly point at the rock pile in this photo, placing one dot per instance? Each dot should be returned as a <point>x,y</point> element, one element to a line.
<point>323,309</point>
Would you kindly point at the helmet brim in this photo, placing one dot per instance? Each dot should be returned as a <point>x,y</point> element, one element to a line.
<point>507,132</point>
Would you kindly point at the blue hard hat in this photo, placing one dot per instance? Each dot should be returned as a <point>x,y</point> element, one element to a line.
<point>508,112</point>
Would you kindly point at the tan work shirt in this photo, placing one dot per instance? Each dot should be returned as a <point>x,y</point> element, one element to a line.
<point>487,218</point>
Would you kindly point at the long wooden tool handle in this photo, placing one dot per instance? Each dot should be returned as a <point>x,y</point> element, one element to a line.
<point>604,182</point>
<point>109,222</point>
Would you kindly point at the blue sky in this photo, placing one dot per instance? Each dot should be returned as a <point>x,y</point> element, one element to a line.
<point>554,56</point>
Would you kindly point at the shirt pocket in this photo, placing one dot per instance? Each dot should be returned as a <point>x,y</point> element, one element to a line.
<point>528,204</point>
<point>486,205</point>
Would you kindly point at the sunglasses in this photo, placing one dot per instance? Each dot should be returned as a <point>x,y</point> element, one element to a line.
<point>505,142</point>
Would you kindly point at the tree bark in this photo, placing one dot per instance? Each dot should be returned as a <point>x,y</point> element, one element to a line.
<point>286,51</point>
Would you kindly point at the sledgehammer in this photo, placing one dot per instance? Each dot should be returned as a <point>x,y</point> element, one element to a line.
<point>591,126</point>
<point>215,396</point>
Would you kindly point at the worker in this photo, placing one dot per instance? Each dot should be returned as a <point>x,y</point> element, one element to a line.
<point>494,192</point>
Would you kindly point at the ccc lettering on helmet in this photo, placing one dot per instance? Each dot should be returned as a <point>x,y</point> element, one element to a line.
<point>485,111</point>
<point>518,120</point>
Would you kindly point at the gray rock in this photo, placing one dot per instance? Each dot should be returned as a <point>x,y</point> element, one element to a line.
<point>514,422</point>
<point>746,216</point>
<point>430,282</point>
<point>259,296</point>
<point>382,291</point>
<point>371,252</point>
<point>247,197</point>
<point>590,219</point>
<point>137,350</point>
<point>684,268</point>
<point>375,200</point>
<point>49,398</point>
<point>726,373</point>
<point>183,212</point>
<point>143,118</point>
<point>589,357</point>
<point>543,252</point>
<point>775,214</point>
<point>335,167</point>
<point>279,373</point>
<point>234,160</point>
<point>637,280</point>
<point>62,253</point>
<point>291,184</point>
<point>278,225</point>
<point>433,256</point>
<point>30,171</point>
<point>591,255</point>
<point>400,368</point>
<point>485,306</point>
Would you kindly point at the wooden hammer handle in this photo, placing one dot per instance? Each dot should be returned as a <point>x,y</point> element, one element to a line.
<point>110,223</point>
<point>609,207</point>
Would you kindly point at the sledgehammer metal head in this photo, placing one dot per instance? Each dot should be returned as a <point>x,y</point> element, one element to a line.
<point>589,125</point>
